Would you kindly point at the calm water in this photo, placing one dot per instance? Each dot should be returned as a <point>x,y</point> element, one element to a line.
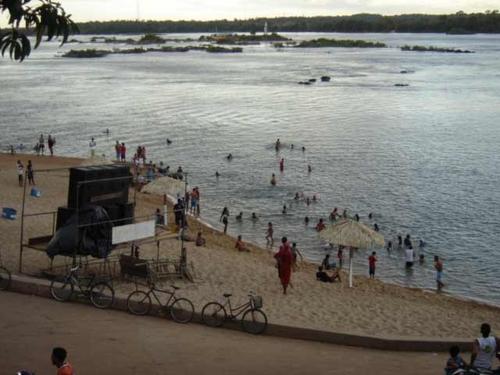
<point>424,158</point>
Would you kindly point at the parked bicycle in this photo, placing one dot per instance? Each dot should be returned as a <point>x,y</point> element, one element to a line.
<point>180,309</point>
<point>100,293</point>
<point>253,319</point>
<point>5,276</point>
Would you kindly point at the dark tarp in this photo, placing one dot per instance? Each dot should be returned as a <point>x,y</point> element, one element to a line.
<point>94,238</point>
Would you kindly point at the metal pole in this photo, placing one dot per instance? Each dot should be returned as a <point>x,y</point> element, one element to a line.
<point>77,222</point>
<point>350,267</point>
<point>21,239</point>
<point>183,221</point>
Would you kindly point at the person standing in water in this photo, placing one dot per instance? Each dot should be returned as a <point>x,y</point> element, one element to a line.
<point>284,259</point>
<point>51,142</point>
<point>282,164</point>
<point>30,173</point>
<point>269,235</point>
<point>438,266</point>
<point>277,145</point>
<point>273,180</point>
<point>92,147</point>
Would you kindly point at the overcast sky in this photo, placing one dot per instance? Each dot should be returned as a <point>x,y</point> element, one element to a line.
<point>84,10</point>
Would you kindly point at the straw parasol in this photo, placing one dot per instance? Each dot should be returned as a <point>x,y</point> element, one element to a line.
<point>352,234</point>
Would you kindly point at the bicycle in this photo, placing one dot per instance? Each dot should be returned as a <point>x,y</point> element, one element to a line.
<point>99,292</point>
<point>253,319</point>
<point>181,310</point>
<point>5,276</point>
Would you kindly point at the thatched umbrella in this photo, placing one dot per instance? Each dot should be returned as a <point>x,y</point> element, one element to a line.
<point>352,234</point>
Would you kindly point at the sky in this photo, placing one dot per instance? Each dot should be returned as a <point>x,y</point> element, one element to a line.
<point>86,10</point>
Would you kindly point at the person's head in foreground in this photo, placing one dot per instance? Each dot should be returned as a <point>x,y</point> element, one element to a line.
<point>59,356</point>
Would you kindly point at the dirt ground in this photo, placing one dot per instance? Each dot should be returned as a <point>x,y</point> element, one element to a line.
<point>111,342</point>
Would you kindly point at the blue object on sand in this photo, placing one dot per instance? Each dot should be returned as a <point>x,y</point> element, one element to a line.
<point>35,193</point>
<point>9,213</point>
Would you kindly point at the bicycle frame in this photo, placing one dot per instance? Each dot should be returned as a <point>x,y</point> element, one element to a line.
<point>75,280</point>
<point>239,309</point>
<point>153,290</point>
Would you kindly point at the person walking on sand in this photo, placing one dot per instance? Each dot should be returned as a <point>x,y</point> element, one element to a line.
<point>20,173</point>
<point>30,173</point>
<point>92,147</point>
<point>438,266</point>
<point>51,142</point>
<point>296,253</point>
<point>59,360</point>
<point>269,235</point>
<point>372,259</point>
<point>284,258</point>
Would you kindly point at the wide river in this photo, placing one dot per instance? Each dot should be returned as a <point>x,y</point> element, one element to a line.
<point>425,158</point>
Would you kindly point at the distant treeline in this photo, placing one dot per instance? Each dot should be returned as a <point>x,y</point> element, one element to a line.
<point>458,23</point>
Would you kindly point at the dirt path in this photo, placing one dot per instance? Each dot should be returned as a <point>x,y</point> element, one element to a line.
<point>111,342</point>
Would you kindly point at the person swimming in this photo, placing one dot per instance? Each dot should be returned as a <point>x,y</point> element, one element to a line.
<point>303,149</point>
<point>356,217</point>
<point>375,227</point>
<point>306,220</point>
<point>239,217</point>
<point>291,146</point>
<point>169,142</point>
<point>282,164</point>
<point>314,198</point>
<point>273,180</point>
<point>297,197</point>
<point>333,214</point>
<point>308,201</point>
<point>254,217</point>
<point>284,209</point>
<point>229,157</point>
<point>370,216</point>
<point>309,168</point>
<point>389,246</point>
<point>217,174</point>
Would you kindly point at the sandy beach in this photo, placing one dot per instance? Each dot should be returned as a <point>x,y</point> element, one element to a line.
<point>370,308</point>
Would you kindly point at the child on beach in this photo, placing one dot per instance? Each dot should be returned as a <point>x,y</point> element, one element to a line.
<point>269,235</point>
<point>30,173</point>
<point>455,361</point>
<point>20,172</point>
<point>372,259</point>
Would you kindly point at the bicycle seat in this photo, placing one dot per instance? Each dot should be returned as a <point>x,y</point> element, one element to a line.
<point>227,295</point>
<point>174,287</point>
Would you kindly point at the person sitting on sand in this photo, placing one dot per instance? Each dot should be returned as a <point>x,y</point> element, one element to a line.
<point>239,217</point>
<point>200,241</point>
<point>455,361</point>
<point>273,180</point>
<point>240,245</point>
<point>325,278</point>
<point>320,226</point>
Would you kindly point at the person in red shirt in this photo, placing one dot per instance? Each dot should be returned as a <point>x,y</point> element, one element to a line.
<point>282,164</point>
<point>372,259</point>
<point>285,262</point>
<point>59,359</point>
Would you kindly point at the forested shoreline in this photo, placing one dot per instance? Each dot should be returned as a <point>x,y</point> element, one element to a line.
<point>458,23</point>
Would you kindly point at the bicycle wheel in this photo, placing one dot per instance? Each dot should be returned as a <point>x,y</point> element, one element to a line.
<point>213,314</point>
<point>61,290</point>
<point>254,321</point>
<point>102,295</point>
<point>182,310</point>
<point>139,303</point>
<point>5,278</point>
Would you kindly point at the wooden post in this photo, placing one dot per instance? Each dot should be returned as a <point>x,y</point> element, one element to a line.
<point>21,239</point>
<point>350,267</point>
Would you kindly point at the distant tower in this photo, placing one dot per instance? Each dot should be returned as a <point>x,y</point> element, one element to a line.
<point>265,28</point>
